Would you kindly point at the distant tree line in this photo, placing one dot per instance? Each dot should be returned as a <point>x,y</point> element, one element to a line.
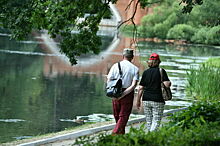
<point>202,25</point>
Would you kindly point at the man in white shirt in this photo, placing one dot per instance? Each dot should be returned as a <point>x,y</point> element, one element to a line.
<point>122,106</point>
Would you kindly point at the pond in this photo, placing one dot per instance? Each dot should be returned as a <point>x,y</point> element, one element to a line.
<point>42,93</point>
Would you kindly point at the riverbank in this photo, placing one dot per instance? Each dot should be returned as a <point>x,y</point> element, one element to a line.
<point>67,137</point>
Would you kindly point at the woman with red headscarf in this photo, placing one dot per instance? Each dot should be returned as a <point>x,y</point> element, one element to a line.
<point>150,91</point>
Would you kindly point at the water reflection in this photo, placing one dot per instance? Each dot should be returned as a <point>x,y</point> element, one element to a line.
<point>42,93</point>
<point>177,60</point>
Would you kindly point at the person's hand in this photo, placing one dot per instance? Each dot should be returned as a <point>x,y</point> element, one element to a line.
<point>113,98</point>
<point>138,104</point>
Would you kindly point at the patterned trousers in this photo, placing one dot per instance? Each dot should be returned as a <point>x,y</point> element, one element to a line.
<point>154,113</point>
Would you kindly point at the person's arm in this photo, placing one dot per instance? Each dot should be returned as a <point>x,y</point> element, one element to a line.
<point>166,80</point>
<point>140,93</point>
<point>111,73</point>
<point>129,89</point>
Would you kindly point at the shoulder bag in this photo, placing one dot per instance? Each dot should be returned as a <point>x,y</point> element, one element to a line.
<point>166,92</point>
<point>114,87</point>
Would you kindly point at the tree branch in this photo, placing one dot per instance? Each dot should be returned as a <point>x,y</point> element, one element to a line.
<point>128,6</point>
<point>134,41</point>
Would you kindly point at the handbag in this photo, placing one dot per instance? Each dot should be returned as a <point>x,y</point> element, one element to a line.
<point>114,87</point>
<point>166,92</point>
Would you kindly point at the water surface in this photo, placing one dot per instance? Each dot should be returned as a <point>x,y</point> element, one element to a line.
<point>40,93</point>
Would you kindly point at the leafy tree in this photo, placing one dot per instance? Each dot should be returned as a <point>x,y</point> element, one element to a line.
<point>181,31</point>
<point>200,35</point>
<point>60,18</point>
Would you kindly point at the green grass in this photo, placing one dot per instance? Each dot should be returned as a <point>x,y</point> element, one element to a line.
<point>215,62</point>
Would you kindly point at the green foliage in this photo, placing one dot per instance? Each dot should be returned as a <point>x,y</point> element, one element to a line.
<point>61,17</point>
<point>207,14</point>
<point>147,32</point>
<point>215,62</point>
<point>161,30</point>
<point>203,83</point>
<point>200,36</point>
<point>188,5</point>
<point>207,35</point>
<point>181,31</point>
<point>213,35</point>
<point>127,29</point>
<point>206,134</point>
<point>198,114</point>
<point>198,125</point>
<point>168,22</point>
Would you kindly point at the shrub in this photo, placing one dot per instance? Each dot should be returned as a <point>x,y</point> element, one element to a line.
<point>207,134</point>
<point>198,114</point>
<point>198,125</point>
<point>147,32</point>
<point>161,30</point>
<point>181,31</point>
<point>151,19</point>
<point>213,36</point>
<point>200,35</point>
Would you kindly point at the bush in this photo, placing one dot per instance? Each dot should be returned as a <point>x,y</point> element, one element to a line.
<point>213,36</point>
<point>207,35</point>
<point>198,125</point>
<point>207,134</point>
<point>200,35</point>
<point>147,32</point>
<point>161,30</point>
<point>181,31</point>
<point>198,114</point>
<point>151,19</point>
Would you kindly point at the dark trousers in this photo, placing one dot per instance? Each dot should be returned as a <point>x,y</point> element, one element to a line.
<point>122,109</point>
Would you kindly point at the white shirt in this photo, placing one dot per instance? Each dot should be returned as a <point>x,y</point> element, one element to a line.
<point>129,73</point>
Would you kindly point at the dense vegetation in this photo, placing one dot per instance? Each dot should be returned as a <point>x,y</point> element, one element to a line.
<point>198,125</point>
<point>201,26</point>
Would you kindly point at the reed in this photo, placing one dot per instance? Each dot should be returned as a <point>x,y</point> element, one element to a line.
<point>203,83</point>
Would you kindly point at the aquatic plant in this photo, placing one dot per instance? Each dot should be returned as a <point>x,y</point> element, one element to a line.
<point>203,83</point>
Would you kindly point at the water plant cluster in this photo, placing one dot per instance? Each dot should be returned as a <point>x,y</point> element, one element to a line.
<point>203,83</point>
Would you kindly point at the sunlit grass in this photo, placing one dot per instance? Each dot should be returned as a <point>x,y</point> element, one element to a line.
<point>215,62</point>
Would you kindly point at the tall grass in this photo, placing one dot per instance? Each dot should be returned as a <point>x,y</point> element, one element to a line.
<point>204,83</point>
